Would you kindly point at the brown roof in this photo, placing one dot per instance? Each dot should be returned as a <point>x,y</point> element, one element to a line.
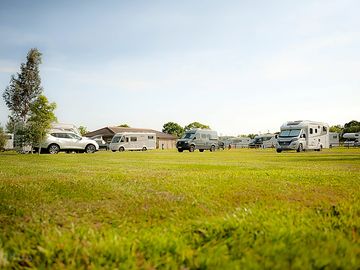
<point>114,130</point>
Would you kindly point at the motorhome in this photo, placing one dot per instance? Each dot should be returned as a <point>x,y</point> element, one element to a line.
<point>267,140</point>
<point>133,141</point>
<point>352,139</point>
<point>334,139</point>
<point>202,139</point>
<point>303,135</point>
<point>9,143</point>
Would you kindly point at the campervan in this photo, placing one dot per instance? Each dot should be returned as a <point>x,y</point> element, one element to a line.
<point>9,143</point>
<point>352,139</point>
<point>303,135</point>
<point>267,140</point>
<point>133,141</point>
<point>334,139</point>
<point>202,139</point>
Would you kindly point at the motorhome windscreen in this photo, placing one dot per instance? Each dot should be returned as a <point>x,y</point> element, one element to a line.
<point>188,135</point>
<point>116,139</point>
<point>290,133</point>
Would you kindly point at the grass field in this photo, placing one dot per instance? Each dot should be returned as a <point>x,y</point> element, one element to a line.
<point>237,209</point>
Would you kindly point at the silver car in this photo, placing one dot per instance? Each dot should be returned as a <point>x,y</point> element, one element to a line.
<point>57,141</point>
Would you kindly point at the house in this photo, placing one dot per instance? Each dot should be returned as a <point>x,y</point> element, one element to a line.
<point>163,140</point>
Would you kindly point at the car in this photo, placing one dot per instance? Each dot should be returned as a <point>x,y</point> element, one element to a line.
<point>101,142</point>
<point>68,141</point>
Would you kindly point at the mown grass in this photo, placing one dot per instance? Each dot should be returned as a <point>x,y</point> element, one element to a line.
<point>237,209</point>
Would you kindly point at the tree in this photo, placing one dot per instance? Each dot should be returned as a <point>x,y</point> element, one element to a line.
<point>2,138</point>
<point>23,90</point>
<point>41,117</point>
<point>352,127</point>
<point>196,125</point>
<point>173,128</point>
<point>336,128</point>
<point>83,130</point>
<point>124,125</point>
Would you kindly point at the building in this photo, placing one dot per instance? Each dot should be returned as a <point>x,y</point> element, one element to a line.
<point>163,140</point>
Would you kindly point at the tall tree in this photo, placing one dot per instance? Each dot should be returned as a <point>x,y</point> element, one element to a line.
<point>41,117</point>
<point>173,128</point>
<point>196,125</point>
<point>352,126</point>
<point>336,128</point>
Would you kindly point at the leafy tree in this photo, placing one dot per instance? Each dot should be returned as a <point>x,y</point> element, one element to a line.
<point>336,128</point>
<point>173,128</point>
<point>251,136</point>
<point>23,90</point>
<point>2,138</point>
<point>352,126</point>
<point>41,117</point>
<point>196,125</point>
<point>83,130</point>
<point>124,125</point>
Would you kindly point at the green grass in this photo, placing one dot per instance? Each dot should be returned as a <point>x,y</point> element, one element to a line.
<point>237,209</point>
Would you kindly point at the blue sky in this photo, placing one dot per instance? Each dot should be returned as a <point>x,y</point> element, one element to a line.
<point>238,66</point>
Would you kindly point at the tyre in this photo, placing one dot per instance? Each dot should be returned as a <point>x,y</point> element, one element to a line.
<point>121,149</point>
<point>212,148</point>
<point>144,149</point>
<point>192,148</point>
<point>278,150</point>
<point>53,149</point>
<point>90,148</point>
<point>113,150</point>
<point>300,148</point>
<point>201,150</point>
<point>180,150</point>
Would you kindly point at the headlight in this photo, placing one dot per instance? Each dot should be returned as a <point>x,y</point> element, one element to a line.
<point>294,140</point>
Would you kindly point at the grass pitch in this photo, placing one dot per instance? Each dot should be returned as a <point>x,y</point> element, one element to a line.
<point>237,209</point>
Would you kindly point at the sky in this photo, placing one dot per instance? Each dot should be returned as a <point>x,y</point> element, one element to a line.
<point>238,66</point>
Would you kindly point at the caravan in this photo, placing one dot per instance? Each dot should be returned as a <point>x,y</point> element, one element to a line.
<point>352,139</point>
<point>9,143</point>
<point>133,141</point>
<point>303,135</point>
<point>267,140</point>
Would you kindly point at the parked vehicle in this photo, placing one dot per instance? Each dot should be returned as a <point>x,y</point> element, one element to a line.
<point>237,142</point>
<point>202,139</point>
<point>9,144</point>
<point>334,139</point>
<point>303,135</point>
<point>267,140</point>
<point>352,139</point>
<point>58,140</point>
<point>101,142</point>
<point>133,141</point>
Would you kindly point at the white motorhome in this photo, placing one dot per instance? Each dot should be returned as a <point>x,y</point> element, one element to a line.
<point>352,139</point>
<point>303,135</point>
<point>9,144</point>
<point>334,139</point>
<point>267,140</point>
<point>133,141</point>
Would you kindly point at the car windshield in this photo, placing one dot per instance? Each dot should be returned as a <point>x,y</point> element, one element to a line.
<point>188,135</point>
<point>290,133</point>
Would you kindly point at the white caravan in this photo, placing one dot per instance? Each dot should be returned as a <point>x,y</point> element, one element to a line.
<point>303,135</point>
<point>334,139</point>
<point>238,142</point>
<point>9,144</point>
<point>133,141</point>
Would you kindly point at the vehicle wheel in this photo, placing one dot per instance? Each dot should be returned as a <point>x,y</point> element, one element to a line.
<point>300,148</point>
<point>90,148</point>
<point>212,148</point>
<point>121,149</point>
<point>278,150</point>
<point>180,150</point>
<point>201,150</point>
<point>113,150</point>
<point>53,149</point>
<point>144,148</point>
<point>192,148</point>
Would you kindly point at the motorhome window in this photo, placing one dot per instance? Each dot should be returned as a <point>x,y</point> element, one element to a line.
<point>315,130</point>
<point>334,137</point>
<point>290,133</point>
<point>150,137</point>
<point>188,135</point>
<point>122,139</point>
<point>133,139</point>
<point>127,139</point>
<point>311,131</point>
